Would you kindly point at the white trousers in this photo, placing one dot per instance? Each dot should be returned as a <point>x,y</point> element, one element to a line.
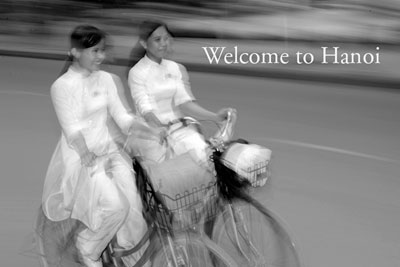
<point>118,211</point>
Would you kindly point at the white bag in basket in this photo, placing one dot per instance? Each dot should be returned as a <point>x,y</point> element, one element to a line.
<point>250,161</point>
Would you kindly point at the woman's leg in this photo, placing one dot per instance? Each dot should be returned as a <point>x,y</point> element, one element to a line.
<point>189,140</point>
<point>110,212</point>
<point>134,227</point>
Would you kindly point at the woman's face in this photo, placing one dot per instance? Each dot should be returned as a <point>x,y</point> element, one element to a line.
<point>91,58</point>
<point>158,44</point>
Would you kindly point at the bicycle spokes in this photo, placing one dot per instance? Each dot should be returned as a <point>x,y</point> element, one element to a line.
<point>243,239</point>
<point>253,237</point>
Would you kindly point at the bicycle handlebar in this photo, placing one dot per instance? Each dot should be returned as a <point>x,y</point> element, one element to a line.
<point>220,138</point>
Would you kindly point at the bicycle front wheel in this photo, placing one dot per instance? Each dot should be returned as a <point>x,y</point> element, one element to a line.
<point>193,251</point>
<point>253,236</point>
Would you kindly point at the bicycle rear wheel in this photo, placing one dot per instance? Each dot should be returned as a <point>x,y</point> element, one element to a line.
<point>194,251</point>
<point>253,236</point>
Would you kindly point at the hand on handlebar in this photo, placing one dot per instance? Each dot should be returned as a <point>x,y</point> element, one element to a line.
<point>223,114</point>
<point>225,133</point>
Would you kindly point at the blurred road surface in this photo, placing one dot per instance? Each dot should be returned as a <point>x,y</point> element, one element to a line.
<point>336,158</point>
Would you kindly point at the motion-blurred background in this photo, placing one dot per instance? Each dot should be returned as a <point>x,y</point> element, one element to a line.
<point>252,25</point>
<point>362,20</point>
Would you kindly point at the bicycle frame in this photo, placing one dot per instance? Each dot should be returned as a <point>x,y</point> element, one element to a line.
<point>162,230</point>
<point>157,231</point>
<point>167,224</point>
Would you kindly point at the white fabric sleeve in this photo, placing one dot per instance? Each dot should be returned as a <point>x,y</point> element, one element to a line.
<point>183,93</point>
<point>116,108</point>
<point>143,101</point>
<point>65,107</point>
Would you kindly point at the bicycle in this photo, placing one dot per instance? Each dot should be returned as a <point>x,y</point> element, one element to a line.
<point>217,224</point>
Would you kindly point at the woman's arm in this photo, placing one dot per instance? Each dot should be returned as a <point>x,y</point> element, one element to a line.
<point>187,102</point>
<point>118,111</point>
<point>152,120</point>
<point>128,122</point>
<point>79,144</point>
<point>143,101</point>
<point>64,107</point>
<point>193,109</point>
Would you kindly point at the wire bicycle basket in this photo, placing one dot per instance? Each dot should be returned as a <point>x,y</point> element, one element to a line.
<point>179,211</point>
<point>185,209</point>
<point>258,174</point>
<point>249,161</point>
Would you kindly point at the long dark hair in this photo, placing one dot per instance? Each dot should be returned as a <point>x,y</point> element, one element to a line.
<point>82,37</point>
<point>146,28</point>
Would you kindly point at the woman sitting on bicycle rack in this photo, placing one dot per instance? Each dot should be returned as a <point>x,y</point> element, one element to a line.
<point>161,92</point>
<point>89,193</point>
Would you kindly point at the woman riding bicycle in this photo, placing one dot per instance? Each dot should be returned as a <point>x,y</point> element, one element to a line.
<point>89,195</point>
<point>161,92</point>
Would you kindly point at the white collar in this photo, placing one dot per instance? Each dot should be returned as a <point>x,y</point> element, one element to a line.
<point>147,60</point>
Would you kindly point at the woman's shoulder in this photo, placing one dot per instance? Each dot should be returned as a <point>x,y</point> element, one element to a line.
<point>170,63</point>
<point>106,74</point>
<point>140,69</point>
<point>109,78</point>
<point>62,83</point>
<point>113,78</point>
<point>175,67</point>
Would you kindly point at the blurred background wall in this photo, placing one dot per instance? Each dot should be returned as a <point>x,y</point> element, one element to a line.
<point>38,16</point>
